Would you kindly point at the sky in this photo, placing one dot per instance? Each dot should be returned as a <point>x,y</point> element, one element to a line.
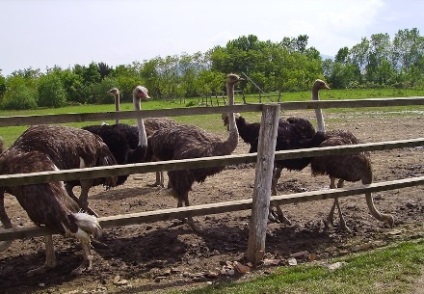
<point>40,34</point>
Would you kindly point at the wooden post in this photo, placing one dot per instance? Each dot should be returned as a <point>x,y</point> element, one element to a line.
<point>263,180</point>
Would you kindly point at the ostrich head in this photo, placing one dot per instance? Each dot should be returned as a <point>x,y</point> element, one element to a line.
<point>319,85</point>
<point>233,79</point>
<point>141,93</point>
<point>225,119</point>
<point>114,92</point>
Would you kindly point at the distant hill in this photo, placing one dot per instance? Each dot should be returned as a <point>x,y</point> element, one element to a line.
<point>324,57</point>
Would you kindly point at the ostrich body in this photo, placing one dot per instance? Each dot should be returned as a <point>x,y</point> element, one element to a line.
<point>293,133</point>
<point>186,141</point>
<point>344,167</point>
<point>48,204</point>
<point>151,125</point>
<point>70,148</point>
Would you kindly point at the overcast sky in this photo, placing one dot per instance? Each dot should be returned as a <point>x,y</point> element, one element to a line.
<point>44,33</point>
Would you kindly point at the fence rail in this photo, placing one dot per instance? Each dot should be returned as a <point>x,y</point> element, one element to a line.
<point>221,207</point>
<point>6,121</point>
<point>204,162</point>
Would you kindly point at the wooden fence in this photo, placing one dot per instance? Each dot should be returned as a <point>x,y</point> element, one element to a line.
<point>264,159</point>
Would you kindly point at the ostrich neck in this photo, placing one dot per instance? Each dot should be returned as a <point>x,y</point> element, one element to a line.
<point>117,105</point>
<point>118,102</point>
<point>233,135</point>
<point>318,111</point>
<point>142,135</point>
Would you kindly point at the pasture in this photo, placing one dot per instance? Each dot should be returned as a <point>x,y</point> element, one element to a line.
<point>165,256</point>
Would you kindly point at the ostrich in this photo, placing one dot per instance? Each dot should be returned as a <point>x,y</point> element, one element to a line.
<point>128,144</point>
<point>293,133</point>
<point>49,205</point>
<point>186,141</point>
<point>151,124</point>
<point>345,167</point>
<point>70,148</point>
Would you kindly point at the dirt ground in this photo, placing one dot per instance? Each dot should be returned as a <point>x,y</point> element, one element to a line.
<point>167,256</point>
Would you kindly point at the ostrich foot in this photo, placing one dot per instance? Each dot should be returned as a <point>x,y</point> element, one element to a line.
<point>344,227</point>
<point>273,217</point>
<point>283,219</point>
<point>278,217</point>
<point>156,185</point>
<point>98,244</point>
<point>192,225</point>
<point>83,268</point>
<point>329,225</point>
<point>40,270</point>
<point>189,221</point>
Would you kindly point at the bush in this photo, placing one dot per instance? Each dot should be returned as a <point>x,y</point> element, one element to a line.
<point>21,98</point>
<point>51,92</point>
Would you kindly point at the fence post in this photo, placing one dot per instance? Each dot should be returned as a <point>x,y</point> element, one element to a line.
<point>263,180</point>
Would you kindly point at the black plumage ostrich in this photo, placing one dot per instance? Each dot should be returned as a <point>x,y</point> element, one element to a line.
<point>128,144</point>
<point>49,205</point>
<point>293,133</point>
<point>151,125</point>
<point>344,167</point>
<point>186,141</point>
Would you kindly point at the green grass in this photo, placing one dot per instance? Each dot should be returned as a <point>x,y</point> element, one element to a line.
<point>392,269</point>
<point>212,122</point>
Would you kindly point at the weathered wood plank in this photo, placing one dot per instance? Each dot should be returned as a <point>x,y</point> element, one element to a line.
<point>6,121</point>
<point>95,172</point>
<point>221,207</point>
<point>262,186</point>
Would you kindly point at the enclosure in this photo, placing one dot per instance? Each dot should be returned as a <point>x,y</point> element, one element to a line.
<point>175,255</point>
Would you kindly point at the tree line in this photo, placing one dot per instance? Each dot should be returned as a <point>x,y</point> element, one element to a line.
<point>288,65</point>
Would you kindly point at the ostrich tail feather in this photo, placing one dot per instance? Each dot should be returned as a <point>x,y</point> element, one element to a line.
<point>88,223</point>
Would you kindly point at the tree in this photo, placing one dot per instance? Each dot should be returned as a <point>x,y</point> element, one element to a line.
<point>51,92</point>
<point>2,86</point>
<point>104,70</point>
<point>19,95</point>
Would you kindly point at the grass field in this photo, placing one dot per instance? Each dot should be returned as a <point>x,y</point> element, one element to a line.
<point>393,269</point>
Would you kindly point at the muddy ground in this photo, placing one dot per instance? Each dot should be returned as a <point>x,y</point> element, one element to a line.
<point>165,256</point>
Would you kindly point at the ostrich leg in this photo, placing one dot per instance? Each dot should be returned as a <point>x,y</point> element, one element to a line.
<point>190,220</point>
<point>50,258</point>
<point>279,215</point>
<point>330,217</point>
<point>75,198</point>
<point>5,220</point>
<point>83,200</point>
<point>343,224</point>
<point>86,265</point>
<point>159,181</point>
